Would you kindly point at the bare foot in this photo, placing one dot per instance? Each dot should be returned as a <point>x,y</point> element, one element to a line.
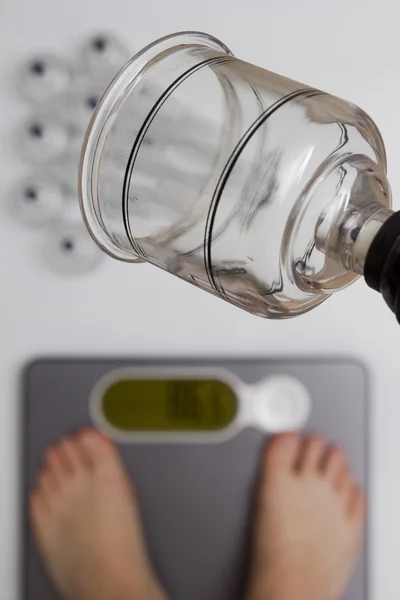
<point>87,525</point>
<point>309,522</point>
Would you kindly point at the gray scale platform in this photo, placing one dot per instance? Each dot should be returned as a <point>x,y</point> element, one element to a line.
<point>195,499</point>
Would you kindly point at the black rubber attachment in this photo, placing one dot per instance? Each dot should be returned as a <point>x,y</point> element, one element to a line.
<point>382,263</point>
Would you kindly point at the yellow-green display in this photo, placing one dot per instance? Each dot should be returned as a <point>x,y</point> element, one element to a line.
<point>169,405</point>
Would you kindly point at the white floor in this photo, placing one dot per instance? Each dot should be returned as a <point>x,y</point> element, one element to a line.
<point>348,48</point>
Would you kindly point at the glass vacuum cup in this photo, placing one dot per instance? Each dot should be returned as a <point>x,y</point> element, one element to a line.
<point>261,190</point>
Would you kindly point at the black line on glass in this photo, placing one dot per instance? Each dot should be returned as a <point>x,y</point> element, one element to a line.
<point>228,170</point>
<point>142,132</point>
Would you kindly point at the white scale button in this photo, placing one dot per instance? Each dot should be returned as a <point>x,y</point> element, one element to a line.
<point>281,403</point>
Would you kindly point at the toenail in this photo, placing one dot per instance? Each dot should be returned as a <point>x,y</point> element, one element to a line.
<point>285,441</point>
<point>91,439</point>
<point>339,455</point>
<point>318,440</point>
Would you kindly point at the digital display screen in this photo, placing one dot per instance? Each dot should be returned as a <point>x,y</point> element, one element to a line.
<point>169,405</point>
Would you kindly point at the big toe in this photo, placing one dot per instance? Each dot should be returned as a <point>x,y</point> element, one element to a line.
<point>98,448</point>
<point>282,453</point>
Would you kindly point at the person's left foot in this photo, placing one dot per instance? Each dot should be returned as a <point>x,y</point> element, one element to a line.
<point>309,521</point>
<point>87,526</point>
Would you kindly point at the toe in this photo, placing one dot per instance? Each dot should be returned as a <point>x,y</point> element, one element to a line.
<point>39,509</point>
<point>342,478</point>
<point>334,462</point>
<point>312,454</point>
<point>57,461</point>
<point>47,487</point>
<point>345,484</point>
<point>282,453</point>
<point>74,454</point>
<point>357,510</point>
<point>357,503</point>
<point>97,447</point>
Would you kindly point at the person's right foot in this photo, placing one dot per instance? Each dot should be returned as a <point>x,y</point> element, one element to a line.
<point>87,525</point>
<point>309,522</point>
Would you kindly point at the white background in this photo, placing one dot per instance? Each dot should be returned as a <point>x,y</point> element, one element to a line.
<point>348,47</point>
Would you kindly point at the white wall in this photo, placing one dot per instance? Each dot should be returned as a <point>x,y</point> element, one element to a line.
<point>348,47</point>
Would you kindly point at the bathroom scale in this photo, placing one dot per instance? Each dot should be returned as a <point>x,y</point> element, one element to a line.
<point>191,434</point>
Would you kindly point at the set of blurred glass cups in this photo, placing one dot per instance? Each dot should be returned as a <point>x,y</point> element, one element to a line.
<point>61,95</point>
